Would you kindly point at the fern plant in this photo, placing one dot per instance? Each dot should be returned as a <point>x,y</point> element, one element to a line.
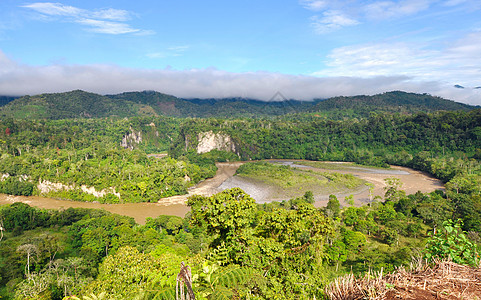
<point>217,282</point>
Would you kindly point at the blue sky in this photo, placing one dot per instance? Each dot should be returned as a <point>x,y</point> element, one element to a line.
<point>303,48</point>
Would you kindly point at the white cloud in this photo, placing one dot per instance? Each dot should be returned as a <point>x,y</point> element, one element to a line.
<point>468,6</point>
<point>178,48</point>
<point>17,79</point>
<point>331,21</point>
<point>58,9</point>
<point>396,9</point>
<point>169,52</point>
<point>336,14</point>
<point>314,5</point>
<point>108,21</point>
<point>112,14</point>
<point>55,9</point>
<point>101,26</point>
<point>380,59</point>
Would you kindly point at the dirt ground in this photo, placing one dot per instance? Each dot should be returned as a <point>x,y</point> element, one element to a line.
<point>207,187</point>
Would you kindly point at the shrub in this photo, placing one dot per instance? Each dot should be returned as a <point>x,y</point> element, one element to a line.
<point>452,243</point>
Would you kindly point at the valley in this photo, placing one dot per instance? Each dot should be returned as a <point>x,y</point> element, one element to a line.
<point>278,204</point>
<point>240,150</point>
<point>225,178</point>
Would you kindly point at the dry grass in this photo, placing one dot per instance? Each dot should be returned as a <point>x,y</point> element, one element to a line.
<point>371,286</point>
<point>443,280</point>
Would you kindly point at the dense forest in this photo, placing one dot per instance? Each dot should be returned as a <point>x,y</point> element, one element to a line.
<point>231,246</point>
<point>6,99</point>
<point>89,152</point>
<point>377,140</point>
<point>80,104</point>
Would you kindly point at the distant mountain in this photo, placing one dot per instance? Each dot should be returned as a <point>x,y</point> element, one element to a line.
<point>458,86</point>
<point>168,105</point>
<point>4,100</point>
<point>80,104</point>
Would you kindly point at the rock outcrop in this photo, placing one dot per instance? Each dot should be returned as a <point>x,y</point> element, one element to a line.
<point>131,139</point>
<point>209,141</point>
<point>45,186</point>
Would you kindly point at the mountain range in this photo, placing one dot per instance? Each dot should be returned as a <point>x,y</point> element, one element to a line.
<point>81,104</point>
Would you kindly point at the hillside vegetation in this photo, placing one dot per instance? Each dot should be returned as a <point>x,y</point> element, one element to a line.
<point>392,102</point>
<point>228,246</point>
<point>80,104</point>
<point>378,140</point>
<point>75,104</point>
<point>6,99</point>
<point>89,152</point>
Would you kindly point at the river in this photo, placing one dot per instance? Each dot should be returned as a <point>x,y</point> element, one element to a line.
<point>412,181</point>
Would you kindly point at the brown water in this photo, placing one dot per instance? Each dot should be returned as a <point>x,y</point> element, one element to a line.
<point>139,211</point>
<point>412,180</point>
<point>174,206</point>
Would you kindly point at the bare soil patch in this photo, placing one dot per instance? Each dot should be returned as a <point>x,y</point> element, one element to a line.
<point>412,181</point>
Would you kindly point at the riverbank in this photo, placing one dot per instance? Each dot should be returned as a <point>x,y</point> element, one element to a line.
<point>412,181</point>
<point>207,187</point>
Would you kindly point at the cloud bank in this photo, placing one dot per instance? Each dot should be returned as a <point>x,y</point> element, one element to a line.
<point>19,79</point>
<point>457,63</point>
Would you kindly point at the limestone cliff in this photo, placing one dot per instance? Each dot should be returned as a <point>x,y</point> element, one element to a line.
<point>131,139</point>
<point>209,141</point>
<point>45,187</point>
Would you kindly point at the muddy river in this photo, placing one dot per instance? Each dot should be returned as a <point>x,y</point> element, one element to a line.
<point>412,180</point>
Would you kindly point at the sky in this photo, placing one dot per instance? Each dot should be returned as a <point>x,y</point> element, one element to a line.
<point>304,49</point>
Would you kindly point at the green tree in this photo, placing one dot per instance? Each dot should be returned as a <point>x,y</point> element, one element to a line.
<point>337,252</point>
<point>386,213</point>
<point>129,273</point>
<point>354,240</point>
<point>349,200</point>
<point>333,207</point>
<point>308,197</point>
<point>227,215</point>
<point>393,190</point>
<point>389,236</point>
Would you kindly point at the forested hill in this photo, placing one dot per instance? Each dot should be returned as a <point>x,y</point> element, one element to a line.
<point>74,104</point>
<point>80,104</point>
<point>394,102</point>
<point>225,107</point>
<point>6,99</point>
